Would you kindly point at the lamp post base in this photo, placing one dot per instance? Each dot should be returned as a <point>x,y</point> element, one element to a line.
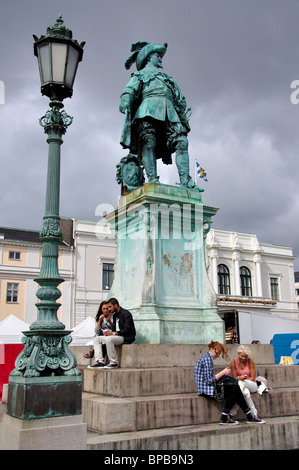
<point>46,354</point>
<point>44,397</point>
<point>43,413</point>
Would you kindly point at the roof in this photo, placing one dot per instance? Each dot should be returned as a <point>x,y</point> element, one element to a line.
<point>20,235</point>
<point>32,236</point>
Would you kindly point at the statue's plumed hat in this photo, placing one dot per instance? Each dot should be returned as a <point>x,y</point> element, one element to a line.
<point>141,51</point>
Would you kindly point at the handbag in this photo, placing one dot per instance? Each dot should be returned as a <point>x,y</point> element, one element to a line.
<point>227,380</point>
<point>218,391</point>
<point>224,381</point>
<point>262,384</point>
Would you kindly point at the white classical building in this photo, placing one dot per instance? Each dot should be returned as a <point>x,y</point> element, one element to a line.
<point>254,281</point>
<point>297,287</point>
<point>241,266</point>
<point>95,250</point>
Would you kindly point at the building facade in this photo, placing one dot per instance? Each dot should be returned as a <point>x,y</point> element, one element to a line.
<point>241,266</point>
<point>249,277</point>
<point>20,262</point>
<point>94,259</point>
<point>297,287</point>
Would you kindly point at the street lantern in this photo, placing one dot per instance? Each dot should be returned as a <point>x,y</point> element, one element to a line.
<point>58,57</point>
<point>46,371</point>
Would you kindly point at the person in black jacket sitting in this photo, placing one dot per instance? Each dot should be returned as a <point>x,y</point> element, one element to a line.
<point>123,332</point>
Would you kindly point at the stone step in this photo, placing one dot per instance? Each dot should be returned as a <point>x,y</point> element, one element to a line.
<point>134,356</point>
<point>139,382</point>
<point>112,414</point>
<point>169,380</point>
<point>279,433</point>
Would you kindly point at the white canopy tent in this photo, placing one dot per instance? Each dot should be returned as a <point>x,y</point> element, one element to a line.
<point>11,329</point>
<point>83,333</point>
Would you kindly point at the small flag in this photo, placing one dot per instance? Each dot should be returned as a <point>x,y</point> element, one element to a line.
<point>200,172</point>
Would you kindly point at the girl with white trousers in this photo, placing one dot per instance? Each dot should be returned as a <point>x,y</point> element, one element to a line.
<point>243,369</point>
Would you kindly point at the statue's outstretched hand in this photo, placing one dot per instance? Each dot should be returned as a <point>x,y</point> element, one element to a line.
<point>123,108</point>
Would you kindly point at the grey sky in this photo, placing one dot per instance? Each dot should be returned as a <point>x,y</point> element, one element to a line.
<point>234,61</point>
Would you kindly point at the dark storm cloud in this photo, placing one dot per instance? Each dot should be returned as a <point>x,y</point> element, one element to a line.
<point>234,61</point>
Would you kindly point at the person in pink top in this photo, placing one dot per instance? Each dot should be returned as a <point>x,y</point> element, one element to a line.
<point>243,369</point>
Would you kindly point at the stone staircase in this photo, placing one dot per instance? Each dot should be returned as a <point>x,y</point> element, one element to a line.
<point>150,402</point>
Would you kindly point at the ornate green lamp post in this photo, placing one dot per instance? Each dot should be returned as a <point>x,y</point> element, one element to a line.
<point>58,57</point>
<point>45,372</point>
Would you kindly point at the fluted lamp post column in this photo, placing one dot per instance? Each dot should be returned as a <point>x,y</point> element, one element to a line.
<point>46,382</point>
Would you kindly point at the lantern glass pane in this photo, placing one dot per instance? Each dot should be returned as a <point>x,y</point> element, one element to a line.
<point>44,63</point>
<point>72,63</point>
<point>59,55</point>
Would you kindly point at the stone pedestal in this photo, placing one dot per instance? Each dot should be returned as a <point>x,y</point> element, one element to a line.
<point>160,271</point>
<point>64,433</point>
<point>43,413</point>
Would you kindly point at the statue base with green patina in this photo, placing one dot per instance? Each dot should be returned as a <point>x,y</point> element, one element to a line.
<point>161,265</point>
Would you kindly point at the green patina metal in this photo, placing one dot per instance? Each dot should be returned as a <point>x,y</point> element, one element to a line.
<point>46,353</point>
<point>157,117</point>
<point>46,344</point>
<point>161,266</point>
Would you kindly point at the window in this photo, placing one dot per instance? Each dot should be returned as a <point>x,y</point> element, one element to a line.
<point>223,280</point>
<point>16,255</point>
<point>274,288</point>
<point>245,278</point>
<point>12,292</point>
<point>108,275</point>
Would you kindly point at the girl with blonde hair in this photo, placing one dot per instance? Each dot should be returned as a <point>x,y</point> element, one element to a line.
<point>243,370</point>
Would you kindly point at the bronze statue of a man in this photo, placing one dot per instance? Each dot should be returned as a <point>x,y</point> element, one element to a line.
<point>156,123</point>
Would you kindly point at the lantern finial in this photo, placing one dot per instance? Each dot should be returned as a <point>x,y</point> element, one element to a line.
<point>59,29</point>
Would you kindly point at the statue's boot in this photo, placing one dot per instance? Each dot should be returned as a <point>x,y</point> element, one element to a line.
<point>182,162</point>
<point>149,160</point>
